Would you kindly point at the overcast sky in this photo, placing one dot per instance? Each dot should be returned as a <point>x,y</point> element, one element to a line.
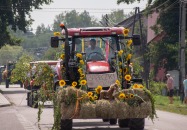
<point>95,7</point>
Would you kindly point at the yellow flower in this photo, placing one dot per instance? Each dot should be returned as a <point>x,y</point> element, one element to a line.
<point>62,83</point>
<point>98,89</point>
<point>51,75</point>
<point>95,97</point>
<point>89,94</point>
<point>131,95</point>
<point>129,56</point>
<point>82,75</point>
<point>125,70</point>
<point>63,45</point>
<point>62,56</point>
<point>79,55</point>
<point>83,82</point>
<point>127,77</point>
<point>117,82</point>
<point>126,96</point>
<point>120,63</point>
<point>44,69</point>
<point>129,42</point>
<point>135,86</point>
<point>120,52</point>
<point>74,84</point>
<point>56,34</point>
<point>81,62</point>
<point>121,96</point>
<point>120,70</point>
<point>125,32</point>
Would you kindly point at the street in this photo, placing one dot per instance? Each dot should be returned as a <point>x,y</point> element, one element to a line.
<point>19,112</point>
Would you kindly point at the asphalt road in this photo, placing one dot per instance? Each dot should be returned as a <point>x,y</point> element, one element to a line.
<point>27,117</point>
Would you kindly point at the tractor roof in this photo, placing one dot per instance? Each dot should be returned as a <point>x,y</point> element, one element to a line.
<point>95,31</point>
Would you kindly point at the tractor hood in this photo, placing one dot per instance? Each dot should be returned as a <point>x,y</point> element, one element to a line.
<point>98,66</point>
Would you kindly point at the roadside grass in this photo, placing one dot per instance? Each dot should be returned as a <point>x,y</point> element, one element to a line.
<point>162,103</point>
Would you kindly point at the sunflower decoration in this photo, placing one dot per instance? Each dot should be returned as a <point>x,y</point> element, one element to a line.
<point>89,94</point>
<point>135,86</point>
<point>74,84</point>
<point>56,34</point>
<point>62,56</point>
<point>83,82</point>
<point>129,42</point>
<point>120,53</point>
<point>79,55</point>
<point>81,62</point>
<point>128,77</point>
<point>128,57</point>
<point>131,95</point>
<point>125,32</point>
<point>118,82</point>
<point>98,89</point>
<point>121,96</point>
<point>62,83</point>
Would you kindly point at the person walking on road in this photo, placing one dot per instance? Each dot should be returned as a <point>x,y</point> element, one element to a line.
<point>170,87</point>
<point>185,90</point>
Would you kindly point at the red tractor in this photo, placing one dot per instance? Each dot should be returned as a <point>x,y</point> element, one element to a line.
<point>99,47</point>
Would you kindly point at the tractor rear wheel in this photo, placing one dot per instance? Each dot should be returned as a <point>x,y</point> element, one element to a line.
<point>123,123</point>
<point>137,124</point>
<point>66,124</point>
<point>105,120</point>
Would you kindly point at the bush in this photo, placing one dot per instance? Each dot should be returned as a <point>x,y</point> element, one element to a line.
<point>157,87</point>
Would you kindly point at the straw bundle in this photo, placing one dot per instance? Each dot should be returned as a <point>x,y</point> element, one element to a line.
<point>87,111</point>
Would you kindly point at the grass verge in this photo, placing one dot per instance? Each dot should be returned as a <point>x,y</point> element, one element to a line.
<point>162,103</point>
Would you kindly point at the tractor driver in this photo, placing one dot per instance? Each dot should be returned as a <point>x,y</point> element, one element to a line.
<point>93,52</point>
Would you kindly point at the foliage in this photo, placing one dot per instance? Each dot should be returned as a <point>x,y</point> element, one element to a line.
<point>17,15</point>
<point>156,87</point>
<point>10,53</point>
<point>74,19</point>
<point>162,103</point>
<point>22,68</point>
<point>127,1</point>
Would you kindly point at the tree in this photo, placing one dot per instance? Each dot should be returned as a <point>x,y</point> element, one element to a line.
<point>16,14</point>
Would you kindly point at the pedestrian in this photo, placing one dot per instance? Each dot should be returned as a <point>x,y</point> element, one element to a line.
<point>185,90</point>
<point>170,88</point>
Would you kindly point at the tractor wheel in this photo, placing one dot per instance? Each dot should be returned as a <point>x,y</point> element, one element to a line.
<point>113,121</point>
<point>7,83</point>
<point>137,124</point>
<point>66,124</point>
<point>105,120</point>
<point>123,123</point>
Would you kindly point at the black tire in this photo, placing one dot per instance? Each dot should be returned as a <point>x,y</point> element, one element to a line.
<point>7,83</point>
<point>137,124</point>
<point>123,123</point>
<point>105,120</point>
<point>113,121</point>
<point>66,124</point>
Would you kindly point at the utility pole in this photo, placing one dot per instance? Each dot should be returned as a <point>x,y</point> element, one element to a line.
<point>182,30</point>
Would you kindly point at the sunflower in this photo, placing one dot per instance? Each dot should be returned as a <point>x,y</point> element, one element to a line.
<point>121,96</point>
<point>127,77</point>
<point>81,62</point>
<point>95,97</point>
<point>117,82</point>
<point>135,86</point>
<point>79,55</point>
<point>62,83</point>
<point>56,34</point>
<point>44,69</point>
<point>129,56</point>
<point>83,82</point>
<point>80,70</point>
<point>120,52</point>
<point>89,94</point>
<point>126,96</point>
<point>62,56</point>
<point>51,75</point>
<point>82,75</point>
<point>120,63</point>
<point>74,84</point>
<point>141,86</point>
<point>131,95</point>
<point>129,42</point>
<point>98,89</point>
<point>125,32</point>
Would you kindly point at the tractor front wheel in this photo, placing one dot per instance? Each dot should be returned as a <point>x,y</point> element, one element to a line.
<point>66,124</point>
<point>113,121</point>
<point>123,123</point>
<point>137,124</point>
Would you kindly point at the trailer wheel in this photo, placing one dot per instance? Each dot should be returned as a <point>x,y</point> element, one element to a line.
<point>123,123</point>
<point>113,121</point>
<point>7,83</point>
<point>66,124</point>
<point>137,123</point>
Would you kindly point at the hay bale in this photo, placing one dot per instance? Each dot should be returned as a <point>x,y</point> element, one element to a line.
<point>114,106</point>
<point>103,108</point>
<point>122,111</point>
<point>87,111</point>
<point>67,111</point>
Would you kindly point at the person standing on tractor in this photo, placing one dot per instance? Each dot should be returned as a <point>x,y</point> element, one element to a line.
<point>170,87</point>
<point>93,49</point>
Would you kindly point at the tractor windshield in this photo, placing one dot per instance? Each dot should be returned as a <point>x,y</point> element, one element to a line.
<point>96,48</point>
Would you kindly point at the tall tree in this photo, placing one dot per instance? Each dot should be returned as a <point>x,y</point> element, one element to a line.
<point>16,13</point>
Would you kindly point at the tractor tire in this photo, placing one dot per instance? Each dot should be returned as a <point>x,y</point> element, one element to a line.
<point>66,124</point>
<point>7,83</point>
<point>137,124</point>
<point>113,121</point>
<point>123,123</point>
<point>105,120</point>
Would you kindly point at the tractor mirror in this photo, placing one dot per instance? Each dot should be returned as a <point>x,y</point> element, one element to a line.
<point>54,42</point>
<point>136,40</point>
